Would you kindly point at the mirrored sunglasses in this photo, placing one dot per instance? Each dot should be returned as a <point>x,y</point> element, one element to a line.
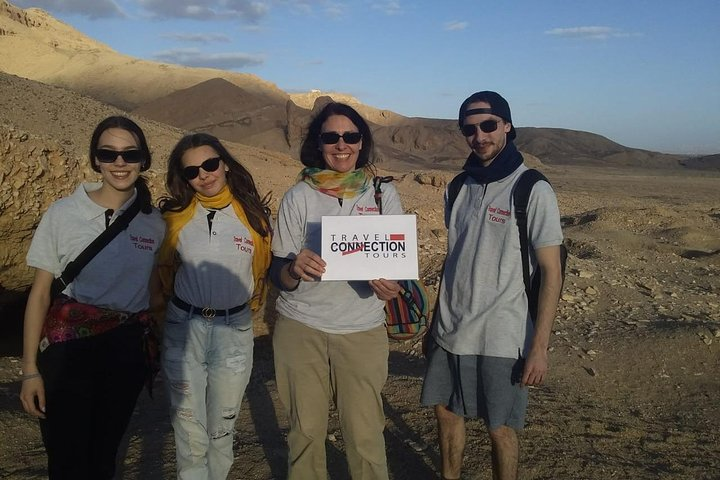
<point>331,138</point>
<point>209,165</point>
<point>109,156</point>
<point>487,126</point>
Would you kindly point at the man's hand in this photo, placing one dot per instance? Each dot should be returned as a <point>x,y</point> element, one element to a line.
<point>536,364</point>
<point>536,368</point>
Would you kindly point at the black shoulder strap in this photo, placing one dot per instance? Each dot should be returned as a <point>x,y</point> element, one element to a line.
<point>453,189</point>
<point>521,196</point>
<point>377,182</point>
<point>74,267</point>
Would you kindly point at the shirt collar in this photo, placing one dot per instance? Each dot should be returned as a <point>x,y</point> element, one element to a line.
<point>92,210</point>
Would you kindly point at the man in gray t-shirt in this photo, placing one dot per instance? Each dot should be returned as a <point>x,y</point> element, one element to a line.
<point>485,349</point>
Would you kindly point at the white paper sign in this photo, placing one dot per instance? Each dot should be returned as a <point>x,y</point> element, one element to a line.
<point>366,247</point>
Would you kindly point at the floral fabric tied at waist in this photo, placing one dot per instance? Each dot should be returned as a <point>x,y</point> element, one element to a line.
<point>67,319</point>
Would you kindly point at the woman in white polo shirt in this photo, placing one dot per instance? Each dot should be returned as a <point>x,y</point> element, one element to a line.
<point>213,265</point>
<point>84,383</point>
<point>330,342</point>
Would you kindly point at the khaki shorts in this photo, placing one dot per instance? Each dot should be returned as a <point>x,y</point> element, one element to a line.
<point>476,386</point>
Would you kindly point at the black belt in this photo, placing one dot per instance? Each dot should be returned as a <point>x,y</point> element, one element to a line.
<point>207,312</point>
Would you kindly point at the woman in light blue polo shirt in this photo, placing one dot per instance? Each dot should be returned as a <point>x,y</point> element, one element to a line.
<point>330,341</point>
<point>84,382</point>
<point>213,265</point>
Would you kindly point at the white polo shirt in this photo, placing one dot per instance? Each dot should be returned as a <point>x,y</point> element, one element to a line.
<point>332,307</point>
<point>118,276</point>
<point>216,260</point>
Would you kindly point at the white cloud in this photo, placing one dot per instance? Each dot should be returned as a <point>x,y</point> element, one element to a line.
<point>193,57</point>
<point>299,6</point>
<point>196,37</point>
<point>389,7</point>
<point>334,9</point>
<point>247,10</point>
<point>89,8</point>
<point>590,32</point>
<point>453,26</point>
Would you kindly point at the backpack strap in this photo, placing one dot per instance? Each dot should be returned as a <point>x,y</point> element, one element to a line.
<point>453,188</point>
<point>377,182</point>
<point>73,268</point>
<point>521,196</point>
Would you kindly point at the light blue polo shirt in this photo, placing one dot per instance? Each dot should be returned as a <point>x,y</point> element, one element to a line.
<point>118,276</point>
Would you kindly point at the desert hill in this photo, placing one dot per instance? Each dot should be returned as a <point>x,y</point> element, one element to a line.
<point>227,111</point>
<point>703,162</point>
<point>307,101</point>
<point>572,147</point>
<point>35,45</point>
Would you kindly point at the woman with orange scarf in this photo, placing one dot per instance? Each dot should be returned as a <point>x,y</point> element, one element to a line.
<point>213,267</point>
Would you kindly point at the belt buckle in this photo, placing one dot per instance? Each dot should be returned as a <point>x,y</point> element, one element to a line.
<point>208,313</point>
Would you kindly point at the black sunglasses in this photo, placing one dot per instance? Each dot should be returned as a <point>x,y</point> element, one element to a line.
<point>209,165</point>
<point>487,126</point>
<point>331,138</point>
<point>129,156</point>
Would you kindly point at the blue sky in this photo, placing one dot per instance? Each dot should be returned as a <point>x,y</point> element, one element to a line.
<point>644,73</point>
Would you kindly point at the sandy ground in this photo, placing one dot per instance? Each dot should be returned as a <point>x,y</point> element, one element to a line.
<point>635,359</point>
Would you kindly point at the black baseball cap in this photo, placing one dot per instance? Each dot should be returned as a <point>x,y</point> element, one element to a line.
<point>498,106</point>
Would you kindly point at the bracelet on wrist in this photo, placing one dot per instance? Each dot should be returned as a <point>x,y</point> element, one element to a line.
<point>29,376</point>
<point>291,272</point>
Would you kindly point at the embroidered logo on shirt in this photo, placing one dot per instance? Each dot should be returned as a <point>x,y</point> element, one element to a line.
<point>360,209</point>
<point>497,215</point>
<point>143,243</point>
<point>244,244</point>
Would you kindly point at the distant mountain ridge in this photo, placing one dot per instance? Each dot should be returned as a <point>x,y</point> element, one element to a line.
<point>247,109</point>
<point>562,146</point>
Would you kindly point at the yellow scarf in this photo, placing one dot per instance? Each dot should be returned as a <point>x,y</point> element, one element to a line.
<point>176,221</point>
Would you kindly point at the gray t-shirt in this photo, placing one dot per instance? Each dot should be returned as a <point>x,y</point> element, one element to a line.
<point>483,306</point>
<point>118,276</point>
<point>329,306</point>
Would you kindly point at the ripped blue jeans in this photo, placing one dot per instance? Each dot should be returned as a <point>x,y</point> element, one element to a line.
<point>207,365</point>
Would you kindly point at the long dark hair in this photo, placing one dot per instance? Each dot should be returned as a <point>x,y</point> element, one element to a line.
<point>124,123</point>
<point>310,153</point>
<point>239,180</point>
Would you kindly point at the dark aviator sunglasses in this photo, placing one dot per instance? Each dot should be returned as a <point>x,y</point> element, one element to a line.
<point>331,138</point>
<point>209,165</point>
<point>488,126</point>
<point>129,156</point>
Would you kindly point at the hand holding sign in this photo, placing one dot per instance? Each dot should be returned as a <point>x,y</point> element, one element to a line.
<point>385,289</point>
<point>308,265</point>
